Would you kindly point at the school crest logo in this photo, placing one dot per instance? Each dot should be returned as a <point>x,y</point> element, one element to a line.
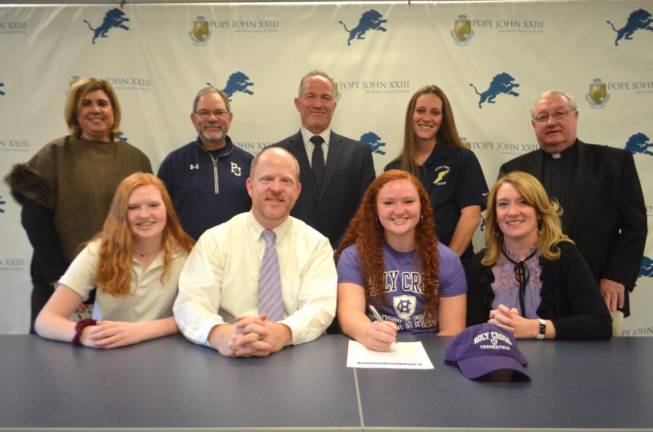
<point>114,18</point>
<point>598,94</point>
<point>639,143</point>
<point>369,20</point>
<point>374,141</point>
<point>462,31</point>
<point>637,20</point>
<point>404,306</point>
<point>2,89</point>
<point>2,205</point>
<point>441,175</point>
<point>238,82</point>
<point>646,268</point>
<point>502,83</point>
<point>200,34</point>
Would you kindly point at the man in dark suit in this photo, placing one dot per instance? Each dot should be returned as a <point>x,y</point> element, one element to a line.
<point>599,191</point>
<point>335,170</point>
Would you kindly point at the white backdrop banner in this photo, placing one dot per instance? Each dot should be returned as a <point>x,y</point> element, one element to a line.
<point>492,60</point>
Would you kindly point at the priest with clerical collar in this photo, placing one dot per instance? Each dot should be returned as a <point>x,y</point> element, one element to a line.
<point>599,191</point>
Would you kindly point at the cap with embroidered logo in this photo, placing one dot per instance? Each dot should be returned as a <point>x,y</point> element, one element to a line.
<point>485,348</point>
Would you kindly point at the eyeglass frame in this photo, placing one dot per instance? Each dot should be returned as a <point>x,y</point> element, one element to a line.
<point>205,114</point>
<point>557,116</point>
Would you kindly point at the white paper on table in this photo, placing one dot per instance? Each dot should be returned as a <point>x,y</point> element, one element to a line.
<point>402,355</point>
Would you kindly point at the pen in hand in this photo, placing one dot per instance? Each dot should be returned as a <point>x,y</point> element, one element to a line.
<point>375,313</point>
<point>384,335</point>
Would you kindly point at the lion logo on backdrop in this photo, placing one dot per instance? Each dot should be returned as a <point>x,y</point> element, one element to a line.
<point>639,143</point>
<point>238,82</point>
<point>646,268</point>
<point>200,33</point>
<point>598,94</point>
<point>638,20</point>
<point>374,141</point>
<point>2,89</point>
<point>114,18</point>
<point>462,31</point>
<point>502,83</point>
<point>370,20</point>
<point>404,305</point>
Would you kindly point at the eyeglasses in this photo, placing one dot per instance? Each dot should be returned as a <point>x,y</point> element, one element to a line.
<point>558,115</point>
<point>204,114</point>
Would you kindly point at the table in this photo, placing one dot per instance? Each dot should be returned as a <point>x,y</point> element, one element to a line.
<point>171,384</point>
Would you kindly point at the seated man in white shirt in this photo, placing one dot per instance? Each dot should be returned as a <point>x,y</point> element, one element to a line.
<point>231,265</point>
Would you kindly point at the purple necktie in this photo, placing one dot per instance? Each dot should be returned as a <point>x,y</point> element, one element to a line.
<point>269,285</point>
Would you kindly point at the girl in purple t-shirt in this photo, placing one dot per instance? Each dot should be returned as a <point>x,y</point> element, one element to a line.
<point>390,262</point>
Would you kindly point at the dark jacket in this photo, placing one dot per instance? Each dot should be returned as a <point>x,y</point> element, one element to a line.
<point>570,296</point>
<point>607,215</point>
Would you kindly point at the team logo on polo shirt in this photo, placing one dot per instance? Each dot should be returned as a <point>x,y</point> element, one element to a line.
<point>114,18</point>
<point>646,268</point>
<point>369,20</point>
<point>441,173</point>
<point>404,306</point>
<point>462,31</point>
<point>235,169</point>
<point>639,143</point>
<point>200,34</point>
<point>639,19</point>
<point>598,94</point>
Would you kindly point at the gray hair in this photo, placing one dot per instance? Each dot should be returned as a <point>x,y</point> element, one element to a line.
<point>210,89</point>
<point>322,74</point>
<point>548,93</point>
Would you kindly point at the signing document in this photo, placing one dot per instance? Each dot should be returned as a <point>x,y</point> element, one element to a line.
<point>402,355</point>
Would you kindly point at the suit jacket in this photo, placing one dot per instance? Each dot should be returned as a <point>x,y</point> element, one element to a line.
<point>349,171</point>
<point>606,215</point>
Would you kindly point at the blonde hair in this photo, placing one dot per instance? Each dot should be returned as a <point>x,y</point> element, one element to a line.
<point>80,89</point>
<point>548,217</point>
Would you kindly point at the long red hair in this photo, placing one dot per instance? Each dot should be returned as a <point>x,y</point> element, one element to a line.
<point>366,232</point>
<point>115,264</point>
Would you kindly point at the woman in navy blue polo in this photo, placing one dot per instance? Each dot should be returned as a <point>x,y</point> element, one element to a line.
<point>450,173</point>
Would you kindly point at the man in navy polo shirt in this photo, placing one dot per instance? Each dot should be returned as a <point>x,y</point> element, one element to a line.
<point>206,177</point>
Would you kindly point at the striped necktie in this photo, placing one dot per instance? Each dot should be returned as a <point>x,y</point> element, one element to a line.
<point>269,287</point>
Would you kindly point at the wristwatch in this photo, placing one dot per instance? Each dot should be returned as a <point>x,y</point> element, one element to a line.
<point>542,332</point>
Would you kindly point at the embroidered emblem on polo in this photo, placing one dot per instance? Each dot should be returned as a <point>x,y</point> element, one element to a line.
<point>440,175</point>
<point>194,166</point>
<point>235,169</point>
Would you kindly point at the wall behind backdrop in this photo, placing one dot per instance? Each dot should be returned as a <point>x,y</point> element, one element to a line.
<point>492,59</point>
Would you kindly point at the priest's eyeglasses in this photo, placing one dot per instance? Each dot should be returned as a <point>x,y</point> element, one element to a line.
<point>558,115</point>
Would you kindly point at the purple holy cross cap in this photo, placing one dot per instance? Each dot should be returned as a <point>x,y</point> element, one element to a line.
<point>484,348</point>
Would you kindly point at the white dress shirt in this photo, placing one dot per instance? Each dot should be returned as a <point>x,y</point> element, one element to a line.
<point>309,146</point>
<point>220,279</point>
